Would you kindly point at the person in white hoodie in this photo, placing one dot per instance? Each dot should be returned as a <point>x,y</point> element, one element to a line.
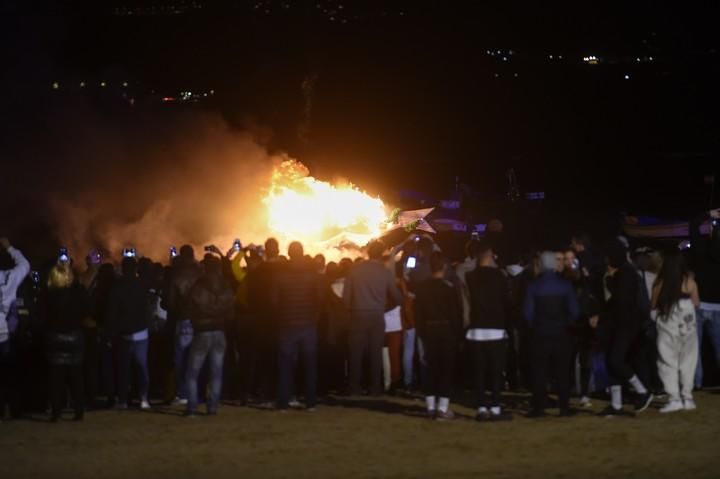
<point>10,280</point>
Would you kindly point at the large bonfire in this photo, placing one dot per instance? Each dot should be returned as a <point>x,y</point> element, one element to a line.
<point>326,218</point>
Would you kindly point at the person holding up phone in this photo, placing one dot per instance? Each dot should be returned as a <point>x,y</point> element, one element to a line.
<point>10,280</point>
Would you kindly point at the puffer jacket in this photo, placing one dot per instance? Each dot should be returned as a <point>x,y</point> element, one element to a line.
<point>297,294</point>
<point>212,303</point>
<point>550,305</point>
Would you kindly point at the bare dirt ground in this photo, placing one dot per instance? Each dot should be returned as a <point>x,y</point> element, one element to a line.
<point>348,438</point>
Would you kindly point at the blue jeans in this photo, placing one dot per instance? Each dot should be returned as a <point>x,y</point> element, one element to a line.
<point>208,345</point>
<point>129,353</point>
<point>297,341</point>
<point>408,356</point>
<point>183,340</point>
<point>707,322</point>
<point>107,368</point>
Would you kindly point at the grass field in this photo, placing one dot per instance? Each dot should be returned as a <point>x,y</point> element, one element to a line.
<point>348,438</point>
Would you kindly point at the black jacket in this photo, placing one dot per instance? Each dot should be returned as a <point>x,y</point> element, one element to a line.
<point>99,301</point>
<point>260,288</point>
<point>489,298</point>
<point>437,306</point>
<point>176,300</point>
<point>624,309</point>
<point>212,304</point>
<point>128,307</point>
<point>63,312</point>
<point>297,294</point>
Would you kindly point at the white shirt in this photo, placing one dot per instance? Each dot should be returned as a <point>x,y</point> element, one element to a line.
<point>10,280</point>
<point>338,286</point>
<point>139,336</point>
<point>393,321</point>
<point>478,334</point>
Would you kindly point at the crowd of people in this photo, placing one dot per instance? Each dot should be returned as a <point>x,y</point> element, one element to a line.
<point>258,327</point>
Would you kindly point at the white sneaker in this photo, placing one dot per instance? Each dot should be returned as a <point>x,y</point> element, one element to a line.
<point>180,402</point>
<point>585,402</point>
<point>144,405</point>
<point>672,406</point>
<point>295,404</point>
<point>690,405</point>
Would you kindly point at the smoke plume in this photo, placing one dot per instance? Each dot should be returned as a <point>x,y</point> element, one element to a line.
<point>157,182</point>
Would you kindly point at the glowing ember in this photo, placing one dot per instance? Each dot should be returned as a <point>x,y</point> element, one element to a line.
<point>320,215</point>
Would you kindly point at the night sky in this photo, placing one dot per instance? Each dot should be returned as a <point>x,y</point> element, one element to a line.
<point>400,95</point>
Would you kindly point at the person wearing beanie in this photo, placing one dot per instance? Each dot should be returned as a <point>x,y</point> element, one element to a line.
<point>550,308</point>
<point>621,328</point>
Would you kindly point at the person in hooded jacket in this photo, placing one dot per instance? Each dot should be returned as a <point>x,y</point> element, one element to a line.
<point>63,307</point>
<point>212,303</point>
<point>620,329</point>
<point>128,318</point>
<point>10,280</point>
<point>176,301</point>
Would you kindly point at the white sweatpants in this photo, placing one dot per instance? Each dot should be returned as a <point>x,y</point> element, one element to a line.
<point>677,343</point>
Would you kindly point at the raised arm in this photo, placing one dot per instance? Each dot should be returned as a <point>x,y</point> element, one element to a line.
<point>22,265</point>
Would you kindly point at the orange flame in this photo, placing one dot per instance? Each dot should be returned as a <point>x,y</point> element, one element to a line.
<point>320,215</point>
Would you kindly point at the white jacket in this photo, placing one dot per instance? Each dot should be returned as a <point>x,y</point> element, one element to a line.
<point>10,280</point>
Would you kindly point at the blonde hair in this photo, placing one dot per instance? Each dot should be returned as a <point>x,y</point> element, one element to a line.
<point>61,276</point>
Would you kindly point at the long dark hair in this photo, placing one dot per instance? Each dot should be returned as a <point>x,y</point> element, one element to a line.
<point>672,275</point>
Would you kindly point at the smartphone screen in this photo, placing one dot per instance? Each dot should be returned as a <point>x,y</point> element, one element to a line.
<point>411,262</point>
